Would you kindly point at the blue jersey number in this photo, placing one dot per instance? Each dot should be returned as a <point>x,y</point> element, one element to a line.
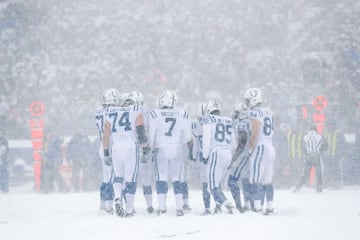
<point>223,132</point>
<point>172,124</point>
<point>123,121</point>
<point>268,126</point>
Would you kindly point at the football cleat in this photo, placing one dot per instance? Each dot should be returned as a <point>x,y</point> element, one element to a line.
<point>186,207</point>
<point>241,209</point>
<point>119,210</point>
<point>150,209</point>
<point>269,212</point>
<point>229,208</point>
<point>217,209</point>
<point>109,211</point>
<point>257,210</point>
<point>179,212</point>
<point>161,212</point>
<point>129,215</point>
<point>206,212</point>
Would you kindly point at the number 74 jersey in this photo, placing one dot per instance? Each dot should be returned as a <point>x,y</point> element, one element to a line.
<point>123,126</point>
<point>169,126</point>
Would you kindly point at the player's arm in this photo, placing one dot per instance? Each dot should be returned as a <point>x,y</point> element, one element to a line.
<point>206,141</point>
<point>106,143</point>
<point>240,145</point>
<point>254,135</point>
<point>140,130</point>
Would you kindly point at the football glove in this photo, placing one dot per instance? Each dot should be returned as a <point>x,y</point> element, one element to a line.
<point>145,154</point>
<point>154,154</point>
<point>204,160</point>
<point>107,160</point>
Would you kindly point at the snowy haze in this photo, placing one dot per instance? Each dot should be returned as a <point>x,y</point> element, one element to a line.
<point>65,53</point>
<point>331,215</point>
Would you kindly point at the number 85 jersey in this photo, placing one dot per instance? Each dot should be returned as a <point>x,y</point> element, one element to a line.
<point>217,133</point>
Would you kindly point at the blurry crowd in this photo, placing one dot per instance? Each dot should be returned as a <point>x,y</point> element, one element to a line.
<point>70,166</point>
<point>65,53</point>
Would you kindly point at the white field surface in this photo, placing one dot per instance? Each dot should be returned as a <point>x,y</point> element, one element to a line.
<point>25,214</point>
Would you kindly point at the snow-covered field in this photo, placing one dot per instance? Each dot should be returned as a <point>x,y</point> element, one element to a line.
<point>302,215</point>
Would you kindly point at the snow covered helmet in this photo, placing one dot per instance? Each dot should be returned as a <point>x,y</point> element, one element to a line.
<point>111,97</point>
<point>253,97</point>
<point>167,99</point>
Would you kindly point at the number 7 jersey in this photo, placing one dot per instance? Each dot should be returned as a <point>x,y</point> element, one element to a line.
<point>169,126</point>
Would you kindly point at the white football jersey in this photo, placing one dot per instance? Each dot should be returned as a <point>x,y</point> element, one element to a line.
<point>196,128</point>
<point>99,117</point>
<point>122,121</point>
<point>217,133</point>
<point>169,126</point>
<point>265,116</point>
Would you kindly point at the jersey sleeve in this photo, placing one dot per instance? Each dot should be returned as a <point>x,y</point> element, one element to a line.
<point>206,140</point>
<point>152,118</point>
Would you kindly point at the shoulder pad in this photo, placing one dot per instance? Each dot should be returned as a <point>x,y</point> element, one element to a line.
<point>207,119</point>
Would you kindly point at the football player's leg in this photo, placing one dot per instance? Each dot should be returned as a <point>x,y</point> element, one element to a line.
<point>246,189</point>
<point>131,165</point>
<point>161,172</point>
<point>146,179</point>
<point>176,171</point>
<point>118,166</point>
<point>234,186</point>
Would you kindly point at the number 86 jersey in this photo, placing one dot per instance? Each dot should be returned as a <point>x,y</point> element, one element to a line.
<point>265,117</point>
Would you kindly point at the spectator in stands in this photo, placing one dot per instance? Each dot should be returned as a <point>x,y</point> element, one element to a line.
<point>4,110</point>
<point>4,174</point>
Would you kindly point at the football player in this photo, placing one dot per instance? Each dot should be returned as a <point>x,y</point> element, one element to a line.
<point>239,168</point>
<point>126,127</point>
<point>261,152</point>
<point>216,150</point>
<point>110,98</point>
<point>146,171</point>
<point>169,129</point>
<point>200,165</point>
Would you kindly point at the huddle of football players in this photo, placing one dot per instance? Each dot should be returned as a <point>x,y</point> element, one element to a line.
<point>153,146</point>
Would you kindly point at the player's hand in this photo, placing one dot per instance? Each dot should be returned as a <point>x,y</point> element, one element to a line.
<point>145,154</point>
<point>191,157</point>
<point>154,154</point>
<point>205,160</point>
<point>194,165</point>
<point>107,160</point>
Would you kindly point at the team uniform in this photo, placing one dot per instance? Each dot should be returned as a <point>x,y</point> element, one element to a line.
<point>217,153</point>
<point>239,170</point>
<point>169,130</point>
<point>106,188</point>
<point>146,174</point>
<point>196,127</point>
<point>125,153</point>
<point>261,152</point>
